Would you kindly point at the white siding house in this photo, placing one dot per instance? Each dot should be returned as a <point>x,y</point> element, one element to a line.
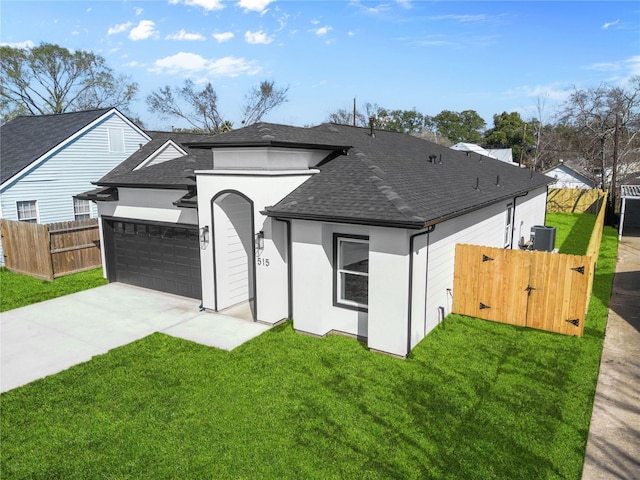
<point>570,176</point>
<point>47,160</point>
<point>342,229</point>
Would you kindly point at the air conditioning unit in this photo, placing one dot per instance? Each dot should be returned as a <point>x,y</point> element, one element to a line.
<point>543,238</point>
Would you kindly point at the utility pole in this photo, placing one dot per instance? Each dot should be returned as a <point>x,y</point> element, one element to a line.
<point>354,111</point>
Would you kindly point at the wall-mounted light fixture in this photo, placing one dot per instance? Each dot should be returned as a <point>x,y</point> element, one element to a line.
<point>259,240</point>
<point>204,236</point>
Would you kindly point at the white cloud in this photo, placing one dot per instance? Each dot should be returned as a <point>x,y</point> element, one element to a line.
<point>184,35</point>
<point>138,11</point>
<point>322,31</point>
<point>254,5</point>
<point>145,29</point>
<point>258,37</point>
<point>119,28</point>
<point>192,64</point>
<point>404,3</point>
<point>461,18</point>
<point>132,63</point>
<point>351,34</point>
<point>223,37</point>
<point>610,24</point>
<point>208,5</point>
<point>23,45</point>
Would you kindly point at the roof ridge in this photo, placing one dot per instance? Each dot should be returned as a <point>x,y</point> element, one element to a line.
<point>378,178</point>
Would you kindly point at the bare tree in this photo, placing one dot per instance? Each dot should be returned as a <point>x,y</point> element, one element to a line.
<point>599,115</point>
<point>199,108</point>
<point>261,100</point>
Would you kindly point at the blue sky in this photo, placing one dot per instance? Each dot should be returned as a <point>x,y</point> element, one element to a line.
<point>401,54</point>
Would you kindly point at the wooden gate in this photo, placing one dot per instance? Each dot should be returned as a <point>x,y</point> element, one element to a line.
<point>542,290</point>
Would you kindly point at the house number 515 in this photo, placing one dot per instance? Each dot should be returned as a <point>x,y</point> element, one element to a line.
<point>263,261</point>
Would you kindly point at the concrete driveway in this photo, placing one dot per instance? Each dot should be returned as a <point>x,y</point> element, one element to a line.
<point>51,336</point>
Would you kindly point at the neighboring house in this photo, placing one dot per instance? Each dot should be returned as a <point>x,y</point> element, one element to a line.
<point>502,154</point>
<point>340,228</point>
<point>569,175</point>
<point>47,159</point>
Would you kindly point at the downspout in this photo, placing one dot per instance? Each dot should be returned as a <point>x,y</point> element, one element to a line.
<point>289,268</point>
<point>513,220</point>
<point>429,229</point>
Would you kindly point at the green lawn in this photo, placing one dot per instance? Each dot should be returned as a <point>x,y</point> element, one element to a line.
<point>21,290</point>
<point>475,400</point>
<point>573,231</point>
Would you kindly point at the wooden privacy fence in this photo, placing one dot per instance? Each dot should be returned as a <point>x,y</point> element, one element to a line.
<point>575,200</point>
<point>52,250</point>
<point>542,290</point>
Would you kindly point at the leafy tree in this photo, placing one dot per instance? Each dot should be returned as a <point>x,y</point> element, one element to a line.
<point>51,79</point>
<point>510,131</point>
<point>405,121</point>
<point>199,108</point>
<point>466,126</point>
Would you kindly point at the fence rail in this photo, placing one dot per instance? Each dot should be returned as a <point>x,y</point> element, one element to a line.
<point>52,250</point>
<point>575,200</point>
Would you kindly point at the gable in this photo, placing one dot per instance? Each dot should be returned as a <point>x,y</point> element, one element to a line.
<point>168,151</point>
<point>30,140</point>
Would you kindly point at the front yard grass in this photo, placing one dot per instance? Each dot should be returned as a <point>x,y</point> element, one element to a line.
<point>20,290</point>
<point>475,400</point>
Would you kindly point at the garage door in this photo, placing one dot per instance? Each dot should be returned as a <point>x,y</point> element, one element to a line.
<point>159,257</point>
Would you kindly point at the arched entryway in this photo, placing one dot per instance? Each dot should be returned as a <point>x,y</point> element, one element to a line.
<point>233,253</point>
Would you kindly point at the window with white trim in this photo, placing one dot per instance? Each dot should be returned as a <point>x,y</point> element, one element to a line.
<point>508,226</point>
<point>351,265</point>
<point>81,209</point>
<point>116,140</point>
<point>27,211</point>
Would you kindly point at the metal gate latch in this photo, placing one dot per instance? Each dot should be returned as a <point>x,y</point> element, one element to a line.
<point>485,258</point>
<point>575,322</point>
<point>579,269</point>
<point>483,306</point>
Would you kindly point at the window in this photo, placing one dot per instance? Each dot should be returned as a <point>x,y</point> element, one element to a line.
<point>81,209</point>
<point>116,140</point>
<point>351,264</point>
<point>27,211</point>
<point>508,226</point>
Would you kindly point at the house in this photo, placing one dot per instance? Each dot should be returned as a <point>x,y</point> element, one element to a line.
<point>570,175</point>
<point>502,154</point>
<point>48,159</point>
<point>342,229</point>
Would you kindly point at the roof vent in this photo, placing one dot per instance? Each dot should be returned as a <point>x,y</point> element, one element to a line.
<point>371,131</point>
<point>477,187</point>
<point>432,158</point>
<point>498,181</point>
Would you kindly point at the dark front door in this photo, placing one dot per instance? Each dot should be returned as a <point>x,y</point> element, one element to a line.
<point>155,256</point>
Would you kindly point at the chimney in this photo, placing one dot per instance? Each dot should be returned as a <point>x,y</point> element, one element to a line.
<point>371,131</point>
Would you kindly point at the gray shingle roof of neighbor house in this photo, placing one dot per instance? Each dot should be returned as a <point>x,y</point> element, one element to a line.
<point>25,139</point>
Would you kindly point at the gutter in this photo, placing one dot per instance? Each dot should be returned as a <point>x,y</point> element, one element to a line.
<point>428,231</point>
<point>513,220</point>
<point>289,267</point>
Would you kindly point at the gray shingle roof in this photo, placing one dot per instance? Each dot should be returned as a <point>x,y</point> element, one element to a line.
<point>389,179</point>
<point>171,173</point>
<point>386,179</point>
<point>25,139</point>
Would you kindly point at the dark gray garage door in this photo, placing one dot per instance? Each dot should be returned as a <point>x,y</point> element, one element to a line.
<point>159,257</point>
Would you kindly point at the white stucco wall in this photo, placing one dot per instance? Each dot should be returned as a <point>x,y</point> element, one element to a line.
<point>263,188</point>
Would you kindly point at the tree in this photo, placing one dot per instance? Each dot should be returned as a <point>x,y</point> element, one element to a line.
<point>404,121</point>
<point>51,79</point>
<point>466,126</point>
<point>603,117</point>
<point>261,100</point>
<point>510,131</point>
<point>199,108</point>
